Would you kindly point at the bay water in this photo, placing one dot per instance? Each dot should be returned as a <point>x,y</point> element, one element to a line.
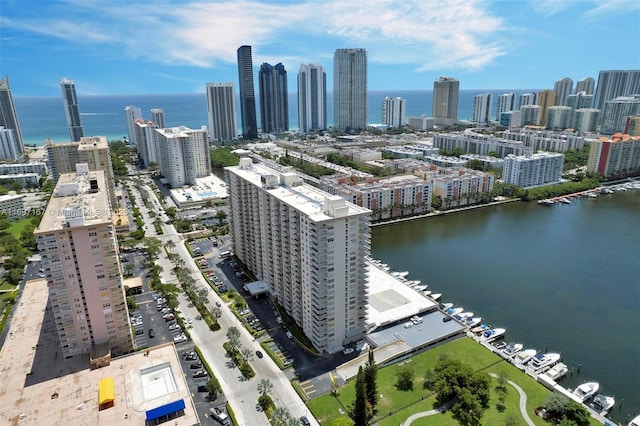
<point>564,279</point>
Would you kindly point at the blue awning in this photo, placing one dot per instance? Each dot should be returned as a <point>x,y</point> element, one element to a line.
<point>172,407</point>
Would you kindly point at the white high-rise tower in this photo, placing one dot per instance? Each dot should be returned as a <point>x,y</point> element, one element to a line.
<point>350,89</point>
<point>312,97</point>
<point>481,108</point>
<point>394,111</point>
<point>131,114</point>
<point>221,108</point>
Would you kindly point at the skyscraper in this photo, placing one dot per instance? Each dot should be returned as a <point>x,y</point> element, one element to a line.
<point>350,89</point>
<point>76,132</point>
<point>506,103</point>
<point>546,98</point>
<point>616,111</point>
<point>561,89</point>
<point>526,99</point>
<point>482,108</point>
<point>131,114</point>
<point>77,242</point>
<point>9,149</point>
<point>183,154</point>
<point>614,83</point>
<point>8,116</point>
<point>445,101</point>
<point>147,146</point>
<point>558,117</point>
<point>312,98</point>
<point>221,108</point>
<point>157,116</point>
<point>308,247</point>
<point>274,98</point>
<point>530,115</point>
<point>394,111</point>
<point>247,93</point>
<point>586,85</point>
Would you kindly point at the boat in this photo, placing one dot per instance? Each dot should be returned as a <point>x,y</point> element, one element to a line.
<point>602,403</point>
<point>427,293</point>
<point>463,316</point>
<point>523,357</point>
<point>512,349</point>
<point>635,421</point>
<point>541,361</point>
<point>546,202</point>
<point>473,322</point>
<point>481,328</point>
<point>446,306</point>
<point>454,311</point>
<point>565,200</point>
<point>586,390</point>
<point>557,371</point>
<point>402,274</point>
<point>436,296</point>
<point>422,287</point>
<point>494,334</point>
<point>591,195</point>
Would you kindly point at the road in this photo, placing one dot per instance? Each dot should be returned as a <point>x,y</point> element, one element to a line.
<point>242,394</point>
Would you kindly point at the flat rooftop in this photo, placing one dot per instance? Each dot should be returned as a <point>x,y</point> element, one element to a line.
<point>391,300</point>
<point>39,387</point>
<point>206,188</point>
<point>303,197</point>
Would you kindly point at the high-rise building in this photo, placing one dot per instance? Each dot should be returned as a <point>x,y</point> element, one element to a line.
<point>221,108</point>
<point>546,98</point>
<point>562,89</point>
<point>394,111</point>
<point>71,109</point>
<point>530,115</point>
<point>558,117</point>
<point>307,246</point>
<point>312,98</point>
<point>350,89</point>
<point>536,169</point>
<point>614,83</point>
<point>586,119</point>
<point>445,101</point>
<point>586,85</point>
<point>511,119</point>
<point>8,116</point>
<point>157,116</point>
<point>506,103</point>
<point>526,99</point>
<point>274,98</point>
<point>9,146</point>
<point>131,114</point>
<point>147,145</point>
<point>482,108</point>
<point>616,156</point>
<point>183,155</point>
<point>91,150</point>
<point>632,126</point>
<point>247,94</point>
<point>616,111</point>
<point>79,250</point>
<point>578,101</point>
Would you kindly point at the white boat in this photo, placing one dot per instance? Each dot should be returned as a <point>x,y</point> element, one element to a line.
<point>591,195</point>
<point>427,293</point>
<point>525,356</point>
<point>446,306</point>
<point>462,316</point>
<point>481,328</point>
<point>472,322</point>
<point>586,390</point>
<point>436,296</point>
<point>557,371</point>
<point>635,421</point>
<point>546,202</point>
<point>541,361</point>
<point>494,334</point>
<point>603,403</point>
<point>402,274</point>
<point>565,200</point>
<point>454,311</point>
<point>512,349</point>
<point>422,287</point>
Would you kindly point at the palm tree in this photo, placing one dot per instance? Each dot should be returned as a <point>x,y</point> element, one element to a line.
<point>264,387</point>
<point>170,245</point>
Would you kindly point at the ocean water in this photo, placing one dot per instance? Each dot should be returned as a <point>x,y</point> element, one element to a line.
<point>44,118</point>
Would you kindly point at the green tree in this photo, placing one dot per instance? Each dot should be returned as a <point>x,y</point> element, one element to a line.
<point>233,336</point>
<point>131,303</point>
<point>360,412</point>
<point>468,390</point>
<point>265,387</point>
<point>429,379</point>
<point>404,380</point>
<point>171,212</point>
<point>221,215</point>
<point>370,377</point>
<point>170,245</point>
<point>27,238</point>
<point>213,387</point>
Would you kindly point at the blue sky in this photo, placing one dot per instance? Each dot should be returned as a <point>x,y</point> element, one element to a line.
<point>134,47</point>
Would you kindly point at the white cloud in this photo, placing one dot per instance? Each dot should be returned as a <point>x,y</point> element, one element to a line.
<point>424,34</point>
<point>604,9</point>
<point>550,7</point>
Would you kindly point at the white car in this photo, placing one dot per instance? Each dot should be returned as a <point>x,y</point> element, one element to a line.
<point>189,320</point>
<point>289,335</point>
<point>180,338</point>
<point>174,326</point>
<point>347,351</point>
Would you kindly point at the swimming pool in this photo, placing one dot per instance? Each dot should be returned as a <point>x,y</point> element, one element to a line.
<point>207,194</point>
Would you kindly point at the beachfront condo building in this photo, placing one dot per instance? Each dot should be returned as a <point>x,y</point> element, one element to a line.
<point>446,91</point>
<point>530,115</point>
<point>307,246</point>
<point>526,99</point>
<point>394,111</point>
<point>559,118</point>
<point>545,99</point>
<point>274,98</point>
<point>350,89</point>
<point>146,137</point>
<point>506,103</point>
<point>247,94</point>
<point>541,168</point>
<point>92,150</point>
<point>617,156</point>
<point>586,85</point>
<point>8,116</point>
<point>71,109</point>
<point>221,109</point>
<point>614,83</point>
<point>561,90</point>
<point>615,113</point>
<point>183,154</point>
<point>312,98</point>
<point>131,114</point>
<point>157,116</point>
<point>77,242</point>
<point>9,145</point>
<point>482,108</point>
<point>586,120</point>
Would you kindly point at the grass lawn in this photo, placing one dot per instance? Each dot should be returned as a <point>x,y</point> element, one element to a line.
<point>395,406</point>
<point>4,285</point>
<point>17,226</point>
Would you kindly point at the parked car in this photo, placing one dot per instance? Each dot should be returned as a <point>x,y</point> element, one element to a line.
<point>195,366</point>
<point>152,333</point>
<point>199,373</point>
<point>139,332</point>
<point>289,335</point>
<point>174,326</point>
<point>347,351</point>
<point>179,338</point>
<point>304,421</point>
